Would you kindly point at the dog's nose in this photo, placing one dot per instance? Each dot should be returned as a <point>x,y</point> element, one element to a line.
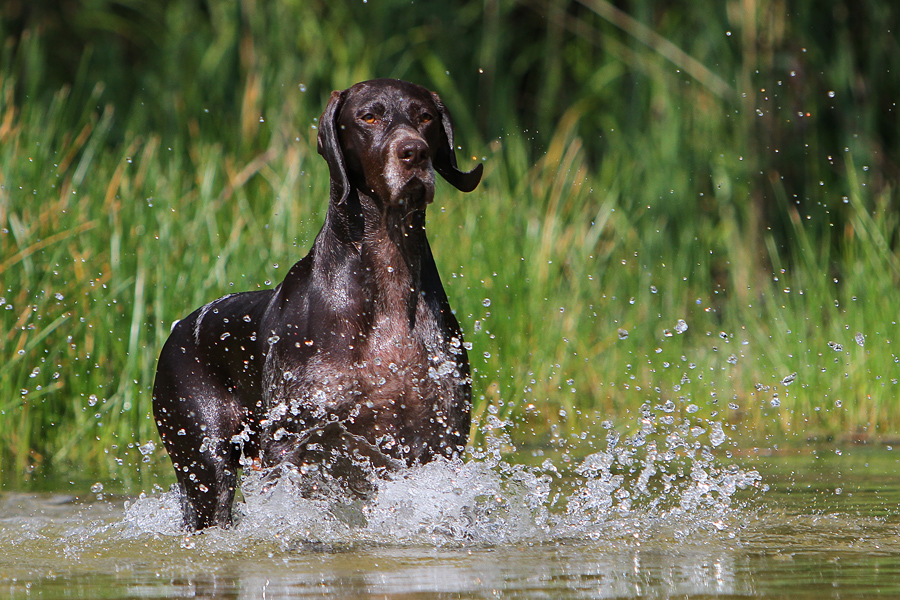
<point>413,152</point>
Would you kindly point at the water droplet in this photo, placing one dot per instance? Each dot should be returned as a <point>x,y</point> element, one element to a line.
<point>789,379</point>
<point>860,338</point>
<point>97,488</point>
<point>623,334</point>
<point>486,302</point>
<point>716,436</point>
<point>681,326</point>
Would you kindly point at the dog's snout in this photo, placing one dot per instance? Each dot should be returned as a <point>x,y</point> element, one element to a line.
<point>413,152</point>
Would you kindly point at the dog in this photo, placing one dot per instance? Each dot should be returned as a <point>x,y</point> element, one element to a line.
<point>356,355</point>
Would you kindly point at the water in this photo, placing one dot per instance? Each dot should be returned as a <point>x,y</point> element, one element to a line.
<point>654,514</point>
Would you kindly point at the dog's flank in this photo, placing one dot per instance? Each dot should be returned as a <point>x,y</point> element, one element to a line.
<point>356,356</point>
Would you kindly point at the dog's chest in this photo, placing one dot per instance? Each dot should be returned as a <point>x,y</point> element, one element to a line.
<point>395,375</point>
<point>386,373</point>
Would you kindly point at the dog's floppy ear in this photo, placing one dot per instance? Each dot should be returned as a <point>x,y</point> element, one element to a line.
<point>445,156</point>
<point>330,148</point>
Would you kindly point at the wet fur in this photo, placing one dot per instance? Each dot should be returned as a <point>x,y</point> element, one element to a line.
<point>356,356</point>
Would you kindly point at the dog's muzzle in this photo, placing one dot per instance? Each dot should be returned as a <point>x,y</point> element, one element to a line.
<point>409,173</point>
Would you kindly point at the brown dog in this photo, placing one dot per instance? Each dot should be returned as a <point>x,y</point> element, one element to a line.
<point>356,355</point>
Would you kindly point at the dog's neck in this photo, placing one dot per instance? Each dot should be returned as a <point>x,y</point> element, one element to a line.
<point>388,244</point>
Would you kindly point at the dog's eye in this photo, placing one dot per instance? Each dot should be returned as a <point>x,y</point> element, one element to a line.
<point>369,118</point>
<point>426,118</point>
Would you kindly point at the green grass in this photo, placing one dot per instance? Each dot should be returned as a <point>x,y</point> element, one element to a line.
<point>117,218</point>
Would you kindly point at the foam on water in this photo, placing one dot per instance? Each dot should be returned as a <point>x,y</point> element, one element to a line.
<point>662,481</point>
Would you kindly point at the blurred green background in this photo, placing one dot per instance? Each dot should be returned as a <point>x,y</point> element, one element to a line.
<point>731,164</point>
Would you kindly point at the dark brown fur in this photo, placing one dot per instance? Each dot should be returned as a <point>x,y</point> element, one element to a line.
<point>356,354</point>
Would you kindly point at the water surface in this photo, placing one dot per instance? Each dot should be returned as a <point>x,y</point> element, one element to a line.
<point>819,523</point>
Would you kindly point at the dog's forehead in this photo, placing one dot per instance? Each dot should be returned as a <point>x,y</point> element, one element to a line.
<point>391,93</point>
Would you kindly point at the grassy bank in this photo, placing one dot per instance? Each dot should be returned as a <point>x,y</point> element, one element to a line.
<point>99,262</point>
<point>569,270</point>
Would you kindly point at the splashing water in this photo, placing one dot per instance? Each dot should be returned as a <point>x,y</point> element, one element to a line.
<point>660,481</point>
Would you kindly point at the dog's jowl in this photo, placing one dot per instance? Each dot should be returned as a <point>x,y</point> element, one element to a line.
<point>355,358</point>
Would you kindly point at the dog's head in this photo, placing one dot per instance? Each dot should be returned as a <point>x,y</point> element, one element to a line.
<point>387,138</point>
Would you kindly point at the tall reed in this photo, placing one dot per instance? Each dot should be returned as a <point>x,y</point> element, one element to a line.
<point>604,219</point>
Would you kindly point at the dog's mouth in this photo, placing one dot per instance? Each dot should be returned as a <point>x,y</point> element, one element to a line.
<point>417,192</point>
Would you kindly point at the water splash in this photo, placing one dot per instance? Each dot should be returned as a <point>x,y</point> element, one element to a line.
<point>662,480</point>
